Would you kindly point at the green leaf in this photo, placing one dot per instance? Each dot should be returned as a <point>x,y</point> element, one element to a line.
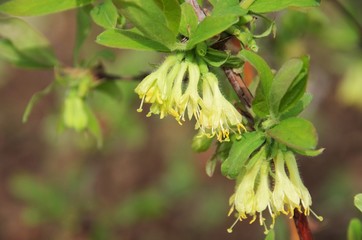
<point>156,19</point>
<point>271,235</point>
<point>354,230</point>
<point>105,14</point>
<point>281,83</point>
<point>310,153</point>
<point>210,166</point>
<point>39,7</point>
<point>295,110</point>
<point>129,39</point>
<point>296,133</point>
<point>24,46</point>
<point>189,21</point>
<point>228,7</point>
<point>260,103</point>
<point>240,152</point>
<point>264,6</point>
<point>83,29</point>
<point>209,27</point>
<point>297,88</point>
<point>358,201</point>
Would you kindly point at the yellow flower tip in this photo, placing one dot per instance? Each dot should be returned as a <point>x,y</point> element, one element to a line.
<point>139,110</point>
<point>253,219</point>
<point>229,230</point>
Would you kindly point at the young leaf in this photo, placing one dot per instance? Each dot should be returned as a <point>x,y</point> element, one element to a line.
<point>295,110</point>
<point>297,88</point>
<point>156,19</point>
<point>354,230</point>
<point>264,6</point>
<point>39,7</point>
<point>129,39</point>
<point>20,40</point>
<point>310,153</point>
<point>240,152</point>
<point>189,21</point>
<point>358,201</point>
<point>260,103</point>
<point>281,83</point>
<point>105,14</point>
<point>209,27</point>
<point>296,133</point>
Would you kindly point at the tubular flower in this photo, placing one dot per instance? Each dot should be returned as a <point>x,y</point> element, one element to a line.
<point>173,89</point>
<point>155,88</point>
<point>218,115</point>
<point>254,194</point>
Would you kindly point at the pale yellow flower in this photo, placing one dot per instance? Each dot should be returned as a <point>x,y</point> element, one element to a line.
<point>218,116</point>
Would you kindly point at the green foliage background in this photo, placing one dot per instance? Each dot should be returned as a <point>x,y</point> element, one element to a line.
<point>145,183</point>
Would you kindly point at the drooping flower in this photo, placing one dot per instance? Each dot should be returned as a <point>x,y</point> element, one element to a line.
<point>155,88</point>
<point>285,194</point>
<point>218,116</point>
<point>254,195</point>
<point>173,89</point>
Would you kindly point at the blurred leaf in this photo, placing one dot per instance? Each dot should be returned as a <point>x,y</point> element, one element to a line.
<point>34,100</point>
<point>22,45</point>
<point>210,166</point>
<point>358,201</point>
<point>260,103</point>
<point>271,235</point>
<point>111,89</point>
<point>240,152</point>
<point>264,6</point>
<point>354,230</point>
<point>129,39</point>
<point>105,14</point>
<point>156,19</point>
<point>93,126</point>
<point>349,90</point>
<point>83,29</point>
<point>45,198</point>
<point>296,133</point>
<point>39,7</point>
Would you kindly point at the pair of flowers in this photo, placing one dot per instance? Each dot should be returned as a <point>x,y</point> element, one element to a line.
<point>184,87</point>
<point>254,195</point>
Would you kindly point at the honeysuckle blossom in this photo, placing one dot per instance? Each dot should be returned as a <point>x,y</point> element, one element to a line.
<point>254,194</point>
<point>173,89</point>
<point>218,116</point>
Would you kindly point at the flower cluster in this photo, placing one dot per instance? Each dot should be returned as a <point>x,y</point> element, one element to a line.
<point>254,193</point>
<point>181,89</point>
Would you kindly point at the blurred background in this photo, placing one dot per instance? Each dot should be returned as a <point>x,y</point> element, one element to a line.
<point>145,182</point>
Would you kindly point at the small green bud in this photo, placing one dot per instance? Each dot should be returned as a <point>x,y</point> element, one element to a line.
<point>200,143</point>
<point>74,113</point>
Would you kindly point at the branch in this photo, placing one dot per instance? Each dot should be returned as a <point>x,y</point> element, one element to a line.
<point>200,13</point>
<point>301,223</point>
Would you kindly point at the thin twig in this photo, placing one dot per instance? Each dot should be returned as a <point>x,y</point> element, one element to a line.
<point>199,12</point>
